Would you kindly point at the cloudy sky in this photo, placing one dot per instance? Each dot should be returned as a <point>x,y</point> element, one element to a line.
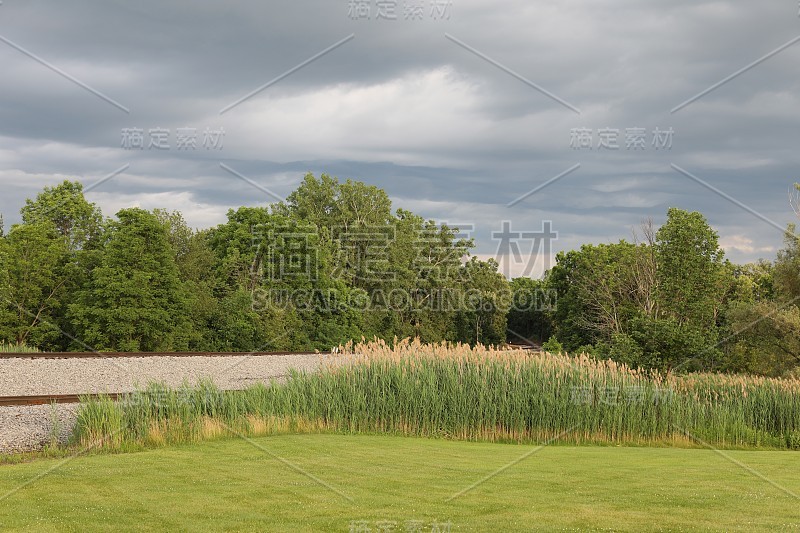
<point>468,112</point>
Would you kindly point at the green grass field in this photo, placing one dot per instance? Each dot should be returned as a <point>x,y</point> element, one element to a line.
<point>279,484</point>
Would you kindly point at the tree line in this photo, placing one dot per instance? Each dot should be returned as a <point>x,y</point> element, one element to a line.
<point>330,264</point>
<point>670,301</point>
<point>334,262</point>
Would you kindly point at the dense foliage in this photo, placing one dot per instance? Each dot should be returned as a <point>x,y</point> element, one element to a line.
<point>673,303</point>
<point>335,263</point>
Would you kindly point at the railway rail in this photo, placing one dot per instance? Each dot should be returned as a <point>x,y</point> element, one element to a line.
<point>47,399</point>
<point>112,355</point>
<point>17,401</point>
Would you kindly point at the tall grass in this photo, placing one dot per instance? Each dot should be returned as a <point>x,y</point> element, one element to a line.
<point>16,348</point>
<point>456,391</point>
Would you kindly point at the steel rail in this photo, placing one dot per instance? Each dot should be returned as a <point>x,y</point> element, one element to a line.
<point>112,355</point>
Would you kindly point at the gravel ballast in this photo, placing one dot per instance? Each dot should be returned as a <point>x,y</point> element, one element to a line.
<point>29,428</point>
<point>32,427</point>
<point>25,377</point>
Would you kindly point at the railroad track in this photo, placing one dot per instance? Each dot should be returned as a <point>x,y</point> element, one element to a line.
<point>48,399</point>
<point>112,355</point>
<point>16,401</point>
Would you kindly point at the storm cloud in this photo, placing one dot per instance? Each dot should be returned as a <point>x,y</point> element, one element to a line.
<point>457,109</point>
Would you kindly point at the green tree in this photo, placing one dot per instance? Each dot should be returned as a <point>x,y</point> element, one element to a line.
<point>32,262</point>
<point>692,284</point>
<point>487,299</point>
<point>238,250</point>
<point>328,203</point>
<point>767,339</point>
<point>597,292</point>
<point>195,261</point>
<point>353,220</point>
<point>80,225</point>
<point>77,220</point>
<point>765,318</point>
<point>295,300</point>
<point>421,290</point>
<point>690,271</point>
<point>135,300</point>
<point>786,273</point>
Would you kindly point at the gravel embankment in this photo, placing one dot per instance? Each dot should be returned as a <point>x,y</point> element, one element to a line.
<point>26,428</point>
<point>31,427</point>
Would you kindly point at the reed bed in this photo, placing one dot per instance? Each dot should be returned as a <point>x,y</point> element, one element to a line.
<point>463,392</point>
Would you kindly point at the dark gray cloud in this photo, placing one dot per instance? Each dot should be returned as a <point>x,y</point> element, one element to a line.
<point>447,133</point>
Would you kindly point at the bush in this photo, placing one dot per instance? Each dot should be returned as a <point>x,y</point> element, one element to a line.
<point>553,346</point>
<point>624,349</point>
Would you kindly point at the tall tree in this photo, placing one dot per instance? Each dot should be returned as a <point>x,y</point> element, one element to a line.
<point>691,287</point>
<point>195,261</point>
<point>787,267</point>
<point>32,262</point>
<point>135,300</point>
<point>238,248</point>
<point>79,224</point>
<point>597,292</point>
<point>77,220</point>
<point>689,269</point>
<point>328,203</point>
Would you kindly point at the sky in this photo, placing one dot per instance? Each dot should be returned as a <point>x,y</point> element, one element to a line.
<point>512,120</point>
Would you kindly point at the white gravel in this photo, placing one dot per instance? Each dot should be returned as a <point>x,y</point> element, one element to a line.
<point>27,428</point>
<point>24,377</point>
<point>33,427</point>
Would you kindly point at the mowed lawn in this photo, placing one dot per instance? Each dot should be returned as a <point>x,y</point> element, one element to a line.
<point>363,483</point>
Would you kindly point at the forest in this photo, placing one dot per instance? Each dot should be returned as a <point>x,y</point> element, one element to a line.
<point>335,262</point>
